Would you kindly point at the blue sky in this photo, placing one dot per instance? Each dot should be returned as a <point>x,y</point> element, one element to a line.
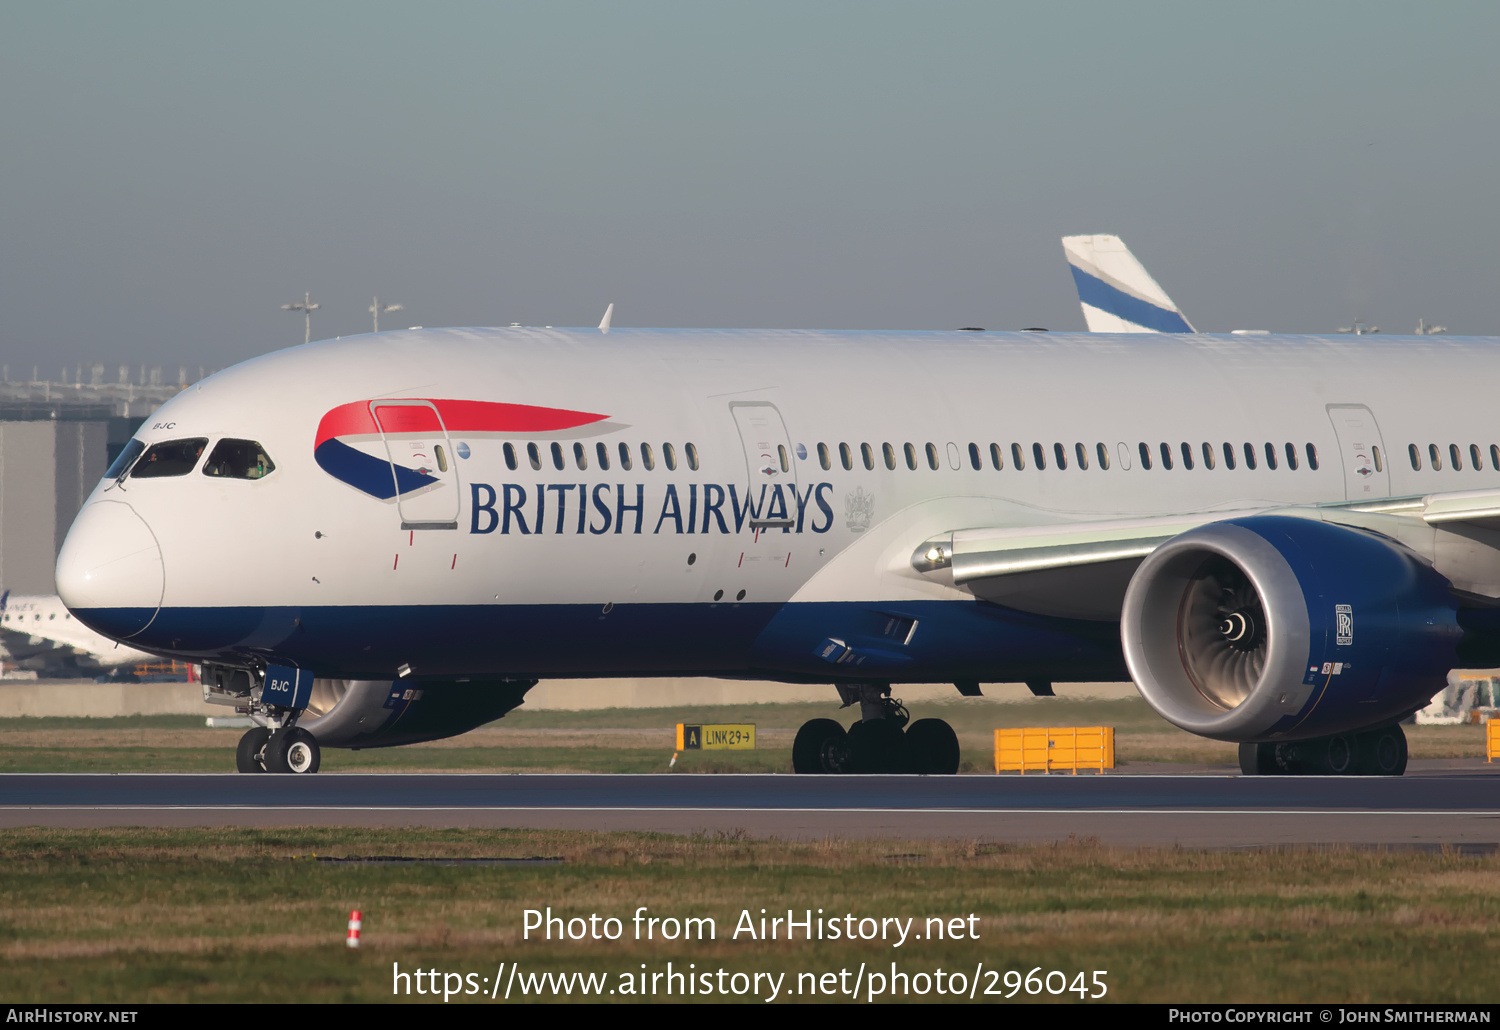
<point>172,173</point>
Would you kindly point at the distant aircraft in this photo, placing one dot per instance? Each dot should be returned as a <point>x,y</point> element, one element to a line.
<point>1286,542</point>
<point>1117,293</point>
<point>39,633</point>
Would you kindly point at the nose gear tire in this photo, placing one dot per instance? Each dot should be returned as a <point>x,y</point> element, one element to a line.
<point>248,756</point>
<point>292,751</point>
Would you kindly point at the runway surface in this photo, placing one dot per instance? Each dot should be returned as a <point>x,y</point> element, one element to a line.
<point>1193,811</point>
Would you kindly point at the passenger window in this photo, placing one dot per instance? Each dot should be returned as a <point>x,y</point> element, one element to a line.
<point>996,458</point>
<point>1061,454</point>
<point>1250,456</point>
<point>669,455</point>
<point>1103,453</point>
<point>535,457</point>
<point>1187,455</point>
<point>692,456</point>
<point>1291,457</point>
<point>932,457</point>
<point>1017,456</point>
<point>867,453</point>
<point>911,457</point>
<point>173,458</point>
<point>1270,456</point>
<point>1495,457</point>
<point>786,465</point>
<point>1145,452</point>
<point>510,456</point>
<point>1312,457</point>
<point>1415,456</point>
<point>1039,456</point>
<point>823,457</point>
<point>1083,455</point>
<point>1166,456</point>
<point>1229,455</point>
<point>557,456</point>
<point>1379,463</point>
<point>625,456</point>
<point>975,461</point>
<point>846,457</point>
<point>1455,457</point>
<point>123,460</point>
<point>1208,455</point>
<point>602,453</point>
<point>890,456</point>
<point>437,450</point>
<point>648,457</point>
<point>580,457</point>
<point>1475,461</point>
<point>244,459</point>
<point>1436,456</point>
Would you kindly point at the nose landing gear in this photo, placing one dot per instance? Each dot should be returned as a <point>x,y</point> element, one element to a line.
<point>290,749</point>
<point>877,743</point>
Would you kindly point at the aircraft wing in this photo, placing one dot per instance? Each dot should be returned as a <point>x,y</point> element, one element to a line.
<point>1081,569</point>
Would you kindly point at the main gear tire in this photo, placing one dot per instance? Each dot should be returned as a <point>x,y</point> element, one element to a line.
<point>818,747</point>
<point>932,748</point>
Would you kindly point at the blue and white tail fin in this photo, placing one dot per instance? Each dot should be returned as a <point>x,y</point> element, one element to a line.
<point>1117,293</point>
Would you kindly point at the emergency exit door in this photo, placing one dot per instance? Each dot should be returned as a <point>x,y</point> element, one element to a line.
<point>1366,469</point>
<point>422,463</point>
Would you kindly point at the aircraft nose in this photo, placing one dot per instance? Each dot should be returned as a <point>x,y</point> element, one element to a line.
<point>109,572</point>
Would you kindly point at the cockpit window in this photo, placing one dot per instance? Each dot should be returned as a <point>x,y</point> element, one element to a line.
<point>238,459</point>
<point>122,462</point>
<point>173,458</point>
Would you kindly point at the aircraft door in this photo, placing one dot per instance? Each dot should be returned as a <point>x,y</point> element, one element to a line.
<point>1366,463</point>
<point>769,466</point>
<point>422,463</point>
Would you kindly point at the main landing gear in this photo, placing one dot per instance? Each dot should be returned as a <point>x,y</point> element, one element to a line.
<point>1379,752</point>
<point>881,742</point>
<point>289,749</point>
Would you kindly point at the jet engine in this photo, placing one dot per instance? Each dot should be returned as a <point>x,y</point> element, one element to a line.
<point>1278,628</point>
<point>385,713</point>
<point>380,713</point>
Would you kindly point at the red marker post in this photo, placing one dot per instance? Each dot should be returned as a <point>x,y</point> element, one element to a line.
<point>354,927</point>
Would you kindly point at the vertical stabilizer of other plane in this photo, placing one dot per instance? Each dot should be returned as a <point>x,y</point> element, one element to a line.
<point>1118,295</point>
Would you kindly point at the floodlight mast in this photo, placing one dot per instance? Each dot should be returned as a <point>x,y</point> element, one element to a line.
<point>307,307</point>
<point>377,310</point>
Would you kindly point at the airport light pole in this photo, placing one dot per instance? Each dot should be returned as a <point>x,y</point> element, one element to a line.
<point>377,310</point>
<point>307,307</point>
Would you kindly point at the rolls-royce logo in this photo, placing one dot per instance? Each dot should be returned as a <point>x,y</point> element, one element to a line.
<point>1344,616</point>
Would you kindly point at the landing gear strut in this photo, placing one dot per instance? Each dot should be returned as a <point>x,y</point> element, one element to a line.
<point>881,742</point>
<point>1378,752</point>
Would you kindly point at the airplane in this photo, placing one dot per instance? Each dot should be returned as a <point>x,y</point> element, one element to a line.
<point>1285,542</point>
<point>1116,292</point>
<point>39,633</point>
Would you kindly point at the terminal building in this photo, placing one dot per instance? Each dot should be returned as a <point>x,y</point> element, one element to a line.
<point>57,438</point>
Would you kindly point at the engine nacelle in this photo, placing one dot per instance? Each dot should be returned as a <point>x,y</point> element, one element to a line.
<point>1281,628</point>
<point>385,713</point>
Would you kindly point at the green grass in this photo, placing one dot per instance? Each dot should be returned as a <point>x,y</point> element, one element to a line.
<point>249,915</point>
<point>629,740</point>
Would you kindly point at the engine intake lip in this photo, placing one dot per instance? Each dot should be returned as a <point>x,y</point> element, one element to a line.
<point>1164,631</point>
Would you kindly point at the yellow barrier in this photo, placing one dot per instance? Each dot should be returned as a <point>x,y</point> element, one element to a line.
<point>1055,749</point>
<point>1492,740</point>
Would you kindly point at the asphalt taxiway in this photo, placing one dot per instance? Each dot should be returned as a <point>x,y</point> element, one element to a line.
<point>1458,807</point>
